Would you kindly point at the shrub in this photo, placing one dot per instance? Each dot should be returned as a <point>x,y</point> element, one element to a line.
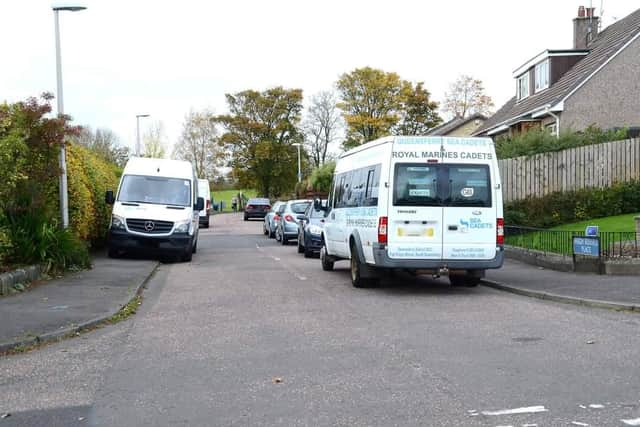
<point>321,177</point>
<point>562,208</point>
<point>35,239</point>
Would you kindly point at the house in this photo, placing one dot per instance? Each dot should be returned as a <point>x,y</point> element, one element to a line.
<point>459,126</point>
<point>595,83</point>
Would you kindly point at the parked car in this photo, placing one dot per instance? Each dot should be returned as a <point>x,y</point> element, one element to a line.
<point>310,230</point>
<point>270,221</point>
<point>287,227</point>
<point>256,207</point>
<point>205,193</point>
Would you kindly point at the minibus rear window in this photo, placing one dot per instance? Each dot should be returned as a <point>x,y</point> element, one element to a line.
<point>441,185</point>
<point>155,190</point>
<point>416,185</point>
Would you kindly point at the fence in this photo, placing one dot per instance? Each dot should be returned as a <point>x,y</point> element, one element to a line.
<point>612,244</point>
<point>599,165</point>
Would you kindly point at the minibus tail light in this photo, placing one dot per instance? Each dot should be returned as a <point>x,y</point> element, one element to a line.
<point>382,229</point>
<point>500,231</point>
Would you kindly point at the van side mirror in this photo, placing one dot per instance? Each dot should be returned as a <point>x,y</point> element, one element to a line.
<point>108,197</point>
<point>302,218</point>
<point>199,204</point>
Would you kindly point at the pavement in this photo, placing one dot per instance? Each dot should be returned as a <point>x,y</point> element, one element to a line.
<point>77,301</point>
<point>603,291</point>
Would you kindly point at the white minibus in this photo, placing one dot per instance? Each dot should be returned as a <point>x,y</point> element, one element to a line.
<point>421,204</point>
<point>156,209</point>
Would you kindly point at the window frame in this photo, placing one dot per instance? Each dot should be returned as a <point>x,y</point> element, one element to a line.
<point>541,70</point>
<point>520,86</point>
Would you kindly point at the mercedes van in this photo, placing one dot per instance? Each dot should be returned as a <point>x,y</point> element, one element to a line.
<point>421,204</point>
<point>156,209</point>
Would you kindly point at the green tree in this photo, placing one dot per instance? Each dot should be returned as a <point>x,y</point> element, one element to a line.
<point>376,103</point>
<point>370,100</point>
<point>417,112</point>
<point>322,177</point>
<point>259,132</point>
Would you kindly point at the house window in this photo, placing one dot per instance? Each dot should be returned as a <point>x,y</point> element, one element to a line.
<point>522,87</point>
<point>542,75</point>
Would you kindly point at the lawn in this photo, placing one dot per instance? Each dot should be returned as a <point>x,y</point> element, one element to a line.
<point>610,223</point>
<point>614,231</point>
<point>226,195</point>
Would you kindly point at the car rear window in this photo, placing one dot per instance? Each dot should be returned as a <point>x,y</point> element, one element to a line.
<point>258,202</point>
<point>441,185</point>
<point>299,207</point>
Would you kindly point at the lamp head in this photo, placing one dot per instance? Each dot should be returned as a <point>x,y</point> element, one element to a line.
<point>71,6</point>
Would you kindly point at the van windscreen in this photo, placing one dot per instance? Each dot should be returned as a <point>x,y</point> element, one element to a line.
<point>441,185</point>
<point>155,190</point>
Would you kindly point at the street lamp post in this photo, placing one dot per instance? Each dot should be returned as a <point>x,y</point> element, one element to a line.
<point>138,132</point>
<point>64,201</point>
<point>297,144</point>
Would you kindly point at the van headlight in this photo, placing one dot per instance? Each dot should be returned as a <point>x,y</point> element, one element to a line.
<point>183,227</point>
<point>314,229</point>
<point>117,222</point>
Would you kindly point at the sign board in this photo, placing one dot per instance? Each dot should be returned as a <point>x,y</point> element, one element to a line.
<point>591,230</point>
<point>586,246</point>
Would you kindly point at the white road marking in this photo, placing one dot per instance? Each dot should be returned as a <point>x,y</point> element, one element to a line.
<point>582,406</point>
<point>633,422</point>
<point>525,410</point>
<point>529,425</point>
<point>301,277</point>
<point>596,406</point>
<point>578,423</point>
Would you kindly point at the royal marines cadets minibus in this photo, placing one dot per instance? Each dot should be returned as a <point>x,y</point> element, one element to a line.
<point>428,205</point>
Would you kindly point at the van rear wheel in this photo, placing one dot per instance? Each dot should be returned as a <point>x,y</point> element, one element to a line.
<point>464,280</point>
<point>356,272</point>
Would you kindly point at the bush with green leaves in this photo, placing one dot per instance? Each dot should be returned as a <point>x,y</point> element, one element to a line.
<point>542,141</point>
<point>563,208</point>
<point>322,177</point>
<point>36,240</point>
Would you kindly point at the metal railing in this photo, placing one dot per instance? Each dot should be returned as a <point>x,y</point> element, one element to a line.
<point>613,244</point>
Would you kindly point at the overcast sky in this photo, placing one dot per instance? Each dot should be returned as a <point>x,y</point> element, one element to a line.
<point>126,57</point>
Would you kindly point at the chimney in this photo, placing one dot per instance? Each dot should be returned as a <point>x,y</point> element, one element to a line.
<point>585,27</point>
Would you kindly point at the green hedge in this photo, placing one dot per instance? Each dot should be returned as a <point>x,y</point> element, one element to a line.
<point>563,208</point>
<point>542,141</point>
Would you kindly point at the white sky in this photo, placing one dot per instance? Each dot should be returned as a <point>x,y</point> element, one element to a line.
<point>126,57</point>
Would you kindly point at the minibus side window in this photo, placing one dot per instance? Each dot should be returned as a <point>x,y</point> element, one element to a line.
<point>373,183</point>
<point>340,191</point>
<point>346,190</point>
<point>357,188</point>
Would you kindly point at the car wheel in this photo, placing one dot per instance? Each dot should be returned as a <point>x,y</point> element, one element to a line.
<point>113,253</point>
<point>264,229</point>
<point>195,247</point>
<point>272,234</point>
<point>308,253</point>
<point>284,239</point>
<point>188,255</point>
<point>207,223</point>
<point>325,259</point>
<point>300,245</point>
<point>246,218</point>
<point>277,236</point>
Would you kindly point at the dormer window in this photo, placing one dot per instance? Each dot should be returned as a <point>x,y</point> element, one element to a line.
<point>542,75</point>
<point>522,86</point>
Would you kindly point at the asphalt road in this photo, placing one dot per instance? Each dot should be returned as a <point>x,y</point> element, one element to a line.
<point>251,333</point>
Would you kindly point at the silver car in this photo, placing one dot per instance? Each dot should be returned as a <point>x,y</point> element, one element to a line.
<point>287,227</point>
<point>270,220</point>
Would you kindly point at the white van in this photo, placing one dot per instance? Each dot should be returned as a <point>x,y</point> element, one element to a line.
<point>423,204</point>
<point>205,193</point>
<point>156,209</point>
